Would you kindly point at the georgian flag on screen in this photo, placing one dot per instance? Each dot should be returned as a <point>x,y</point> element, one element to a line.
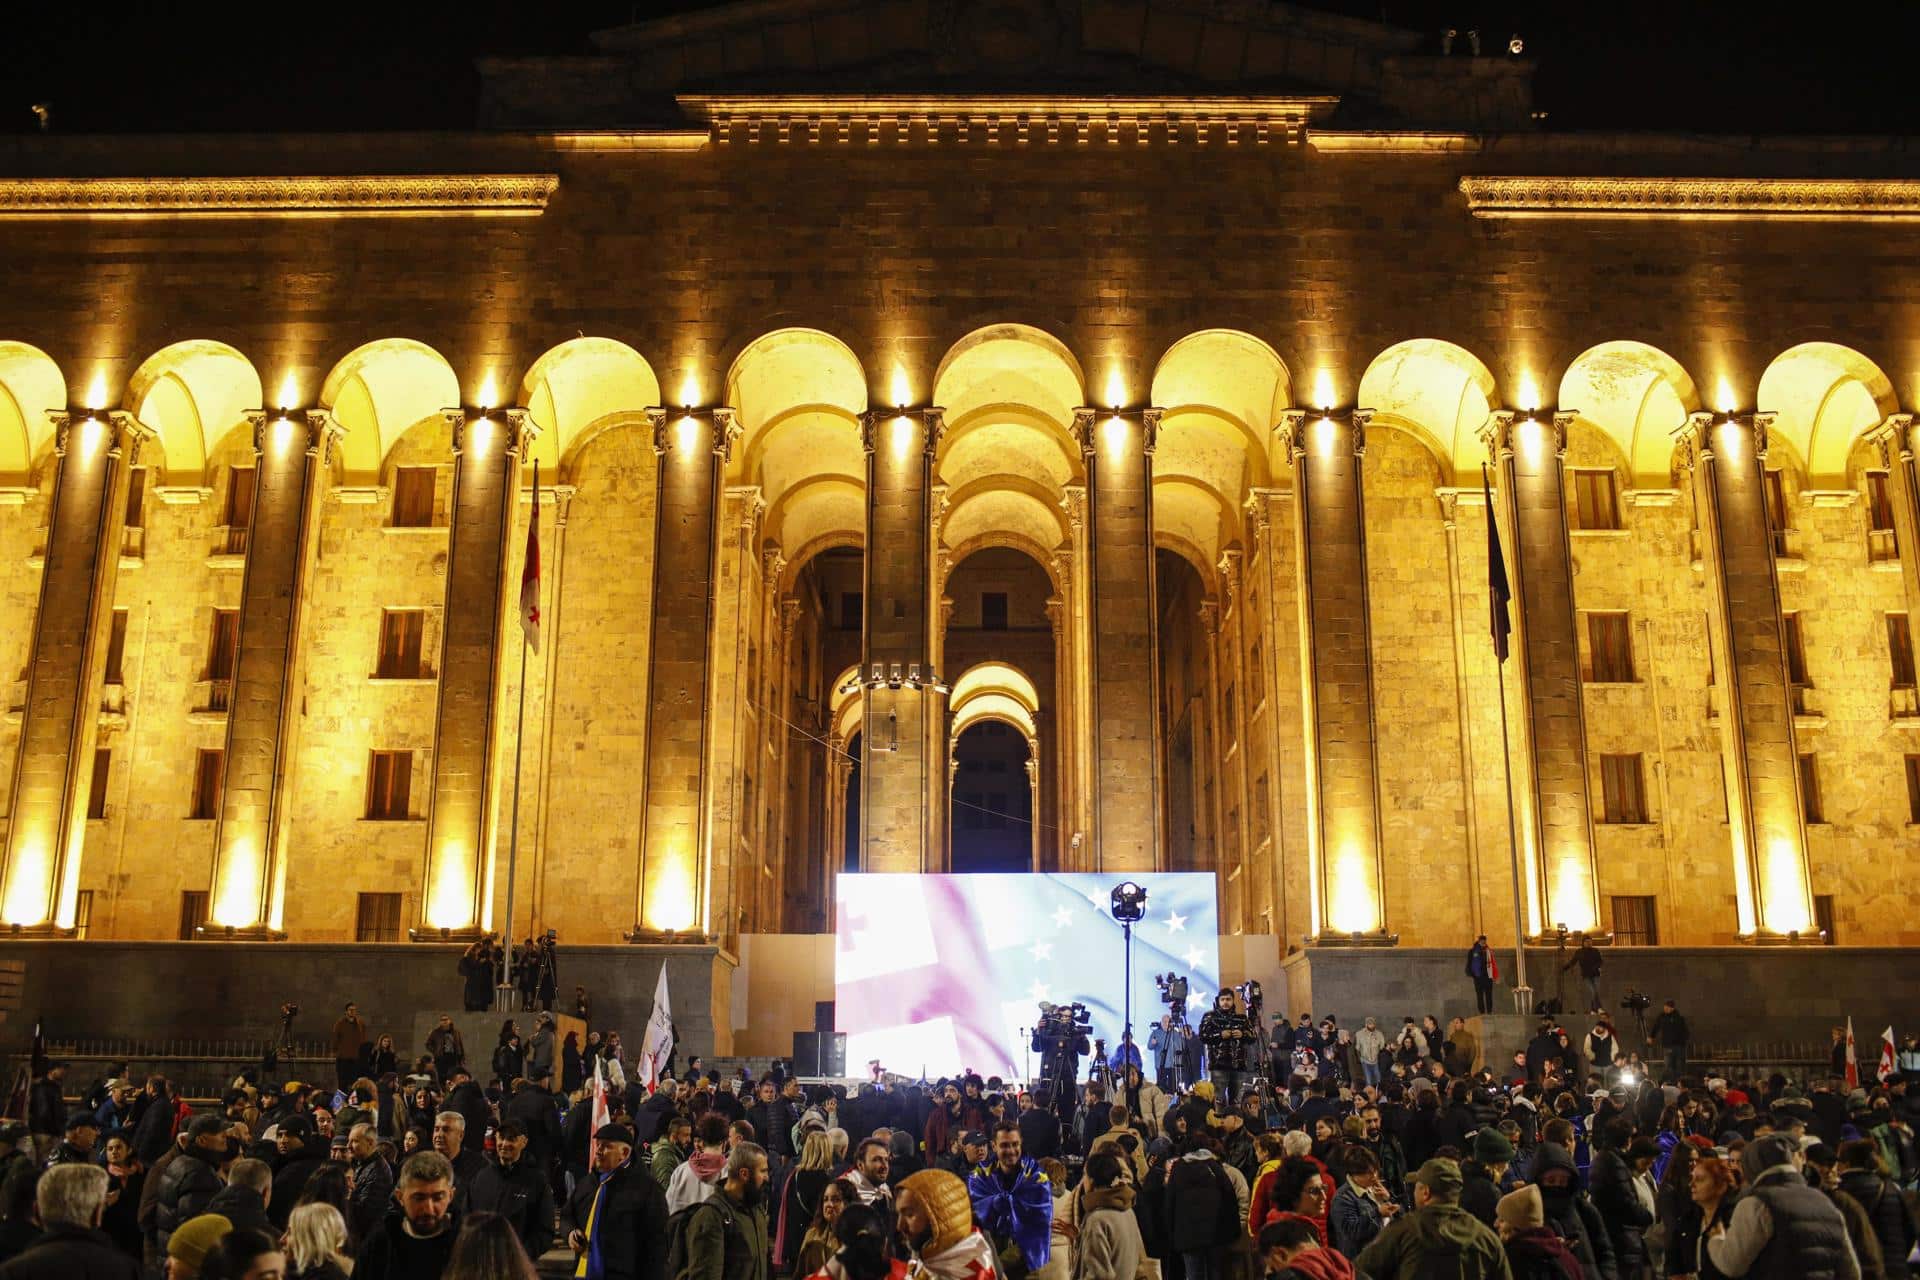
<point>530,572</point>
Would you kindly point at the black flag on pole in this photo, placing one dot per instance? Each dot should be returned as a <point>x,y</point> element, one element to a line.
<point>1498,592</point>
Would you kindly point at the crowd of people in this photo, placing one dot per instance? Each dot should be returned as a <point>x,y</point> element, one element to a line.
<point>1313,1152</point>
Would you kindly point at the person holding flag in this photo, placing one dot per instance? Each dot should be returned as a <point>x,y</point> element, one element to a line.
<point>616,1219</point>
<point>1853,1062</point>
<point>1887,1069</point>
<point>656,1049</point>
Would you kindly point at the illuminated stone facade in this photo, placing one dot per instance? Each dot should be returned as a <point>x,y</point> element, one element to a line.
<point>1194,373</point>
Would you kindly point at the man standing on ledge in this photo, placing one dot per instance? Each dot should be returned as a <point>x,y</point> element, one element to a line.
<point>1480,967</point>
<point>349,1046</point>
<point>1587,960</point>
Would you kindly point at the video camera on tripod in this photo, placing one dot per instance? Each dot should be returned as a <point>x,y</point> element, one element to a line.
<point>1061,1038</point>
<point>1173,994</point>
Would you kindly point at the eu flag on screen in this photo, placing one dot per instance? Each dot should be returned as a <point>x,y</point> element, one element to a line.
<point>933,974</point>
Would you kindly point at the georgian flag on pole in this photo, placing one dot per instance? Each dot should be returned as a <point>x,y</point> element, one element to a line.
<point>1499,593</point>
<point>658,1045</point>
<point>599,1113</point>
<point>1853,1065</point>
<point>530,572</point>
<point>1887,1069</point>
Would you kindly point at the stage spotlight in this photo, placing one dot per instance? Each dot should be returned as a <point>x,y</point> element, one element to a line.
<point>1129,902</point>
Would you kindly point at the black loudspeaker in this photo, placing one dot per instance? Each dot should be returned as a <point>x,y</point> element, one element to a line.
<point>823,1016</point>
<point>817,1053</point>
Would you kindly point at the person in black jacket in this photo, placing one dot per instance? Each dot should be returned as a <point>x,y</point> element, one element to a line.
<point>47,1108</point>
<point>1610,1185</point>
<point>513,1187</point>
<point>300,1154</point>
<point>369,1182</point>
<point>1568,1211</point>
<point>628,1212</point>
<point>1669,1031</point>
<point>1887,1210</point>
<point>243,1201</point>
<point>70,1200</point>
<point>416,1238</point>
<point>1039,1126</point>
<point>538,1113</point>
<point>190,1180</point>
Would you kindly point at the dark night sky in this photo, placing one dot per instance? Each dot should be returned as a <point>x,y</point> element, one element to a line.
<point>1626,64</point>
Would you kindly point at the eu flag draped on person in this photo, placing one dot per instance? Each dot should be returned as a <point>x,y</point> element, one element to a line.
<point>1015,1208</point>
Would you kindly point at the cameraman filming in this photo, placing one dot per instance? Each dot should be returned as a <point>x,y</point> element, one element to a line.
<point>1062,1037</point>
<point>1229,1039</point>
<point>1167,1042</point>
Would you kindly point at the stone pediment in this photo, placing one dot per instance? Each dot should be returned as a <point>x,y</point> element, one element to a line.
<point>978,48</point>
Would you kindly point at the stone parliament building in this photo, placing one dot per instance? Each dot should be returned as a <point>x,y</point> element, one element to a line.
<point>971,435</point>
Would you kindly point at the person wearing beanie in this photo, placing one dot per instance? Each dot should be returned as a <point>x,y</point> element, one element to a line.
<point>1534,1252</point>
<point>1437,1237</point>
<point>191,1242</point>
<point>1782,1229</point>
<point>1569,1213</point>
<point>1481,1173</point>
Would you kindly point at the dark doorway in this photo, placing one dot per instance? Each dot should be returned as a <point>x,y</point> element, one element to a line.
<point>992,812</point>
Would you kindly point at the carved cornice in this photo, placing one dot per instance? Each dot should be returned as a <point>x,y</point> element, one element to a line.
<point>1002,120</point>
<point>1696,434</point>
<point>1498,432</point>
<point>448,195</point>
<point>1783,199</point>
<point>1296,425</point>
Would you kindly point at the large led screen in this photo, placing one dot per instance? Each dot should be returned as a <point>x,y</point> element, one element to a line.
<point>934,974</point>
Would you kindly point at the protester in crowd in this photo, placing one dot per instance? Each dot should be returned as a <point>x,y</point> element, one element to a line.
<point>616,1220</point>
<point>415,1239</point>
<point>821,1240</point>
<point>1671,1035</point>
<point>317,1244</point>
<point>69,1202</point>
<point>872,1165</point>
<point>514,1189</point>
<point>1534,1250</point>
<point>244,1200</point>
<point>188,1247</point>
<point>1362,1207</point>
<point>935,1220</point>
<point>1013,1204</point>
<point>1781,1226</point>
<point>488,1248</point>
<point>188,1182</point>
<point>726,1235</point>
<point>1887,1210</point>
<point>1109,1246</point>
<point>1438,1234</point>
<point>1290,1249</point>
<point>695,1179</point>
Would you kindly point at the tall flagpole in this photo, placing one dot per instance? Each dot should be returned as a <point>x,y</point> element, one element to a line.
<point>519,744</point>
<point>1506,769</point>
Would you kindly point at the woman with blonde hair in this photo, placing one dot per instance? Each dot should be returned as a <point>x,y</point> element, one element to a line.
<point>800,1199</point>
<point>317,1242</point>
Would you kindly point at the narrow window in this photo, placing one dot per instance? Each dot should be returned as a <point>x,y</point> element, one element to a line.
<point>137,498</point>
<point>413,497</point>
<point>1635,923</point>
<point>1594,501</point>
<point>1879,503</point>
<point>1610,641</point>
<point>1796,652</point>
<point>97,787</point>
<point>222,648</point>
<point>207,767</point>
<point>239,518</point>
<point>389,785</point>
<point>1622,788</point>
<point>117,647</point>
<point>1810,787</point>
<point>1900,649</point>
<point>400,633</point>
<point>193,913</point>
<point>377,918</point>
<point>993,611</point>
<point>1913,789</point>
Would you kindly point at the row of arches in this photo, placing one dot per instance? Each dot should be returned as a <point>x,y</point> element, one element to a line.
<point>1008,454</point>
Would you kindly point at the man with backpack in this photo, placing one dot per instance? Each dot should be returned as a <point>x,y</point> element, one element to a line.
<point>724,1237</point>
<point>616,1219</point>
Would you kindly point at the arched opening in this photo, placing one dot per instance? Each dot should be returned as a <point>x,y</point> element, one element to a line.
<point>1190,703</point>
<point>992,810</point>
<point>1000,639</point>
<point>822,606</point>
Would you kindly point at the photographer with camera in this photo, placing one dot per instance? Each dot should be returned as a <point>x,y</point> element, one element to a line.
<point>479,965</point>
<point>1063,1036</point>
<point>1229,1039</point>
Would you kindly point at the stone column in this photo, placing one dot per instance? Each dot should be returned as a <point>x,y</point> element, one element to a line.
<point>1336,646</point>
<point>1727,460</point>
<point>66,668</point>
<point>677,864</point>
<point>1898,442</point>
<point>1214,759</point>
<point>461,821</point>
<point>1272,885</point>
<point>1124,637</point>
<point>1065,821</point>
<point>900,720</point>
<point>1529,455</point>
<point>249,843</point>
<point>1079,624</point>
<point>782,745</point>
